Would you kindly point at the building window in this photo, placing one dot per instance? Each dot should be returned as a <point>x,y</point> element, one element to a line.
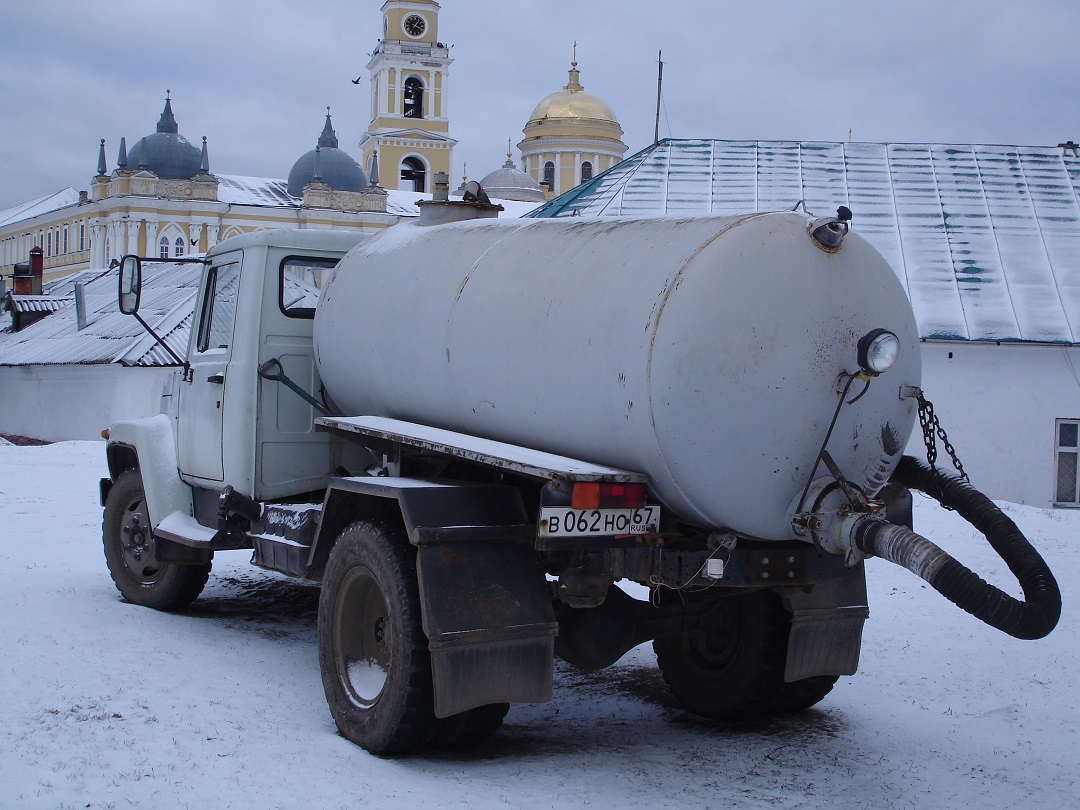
<point>82,236</point>
<point>413,174</point>
<point>48,244</point>
<point>65,239</point>
<point>1068,433</point>
<point>414,98</point>
<point>163,248</point>
<point>586,171</point>
<point>549,175</point>
<point>178,246</point>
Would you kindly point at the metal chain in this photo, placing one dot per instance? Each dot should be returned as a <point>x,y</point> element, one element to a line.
<point>931,427</point>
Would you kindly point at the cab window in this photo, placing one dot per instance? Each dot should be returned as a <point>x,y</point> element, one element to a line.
<point>301,283</point>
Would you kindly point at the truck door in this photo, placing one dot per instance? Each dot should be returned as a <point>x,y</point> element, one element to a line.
<point>202,395</point>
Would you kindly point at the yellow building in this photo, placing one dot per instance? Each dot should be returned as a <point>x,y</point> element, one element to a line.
<point>161,199</point>
<point>571,135</point>
<point>410,122</point>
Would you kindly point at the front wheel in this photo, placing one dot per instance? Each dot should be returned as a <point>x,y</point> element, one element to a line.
<point>731,667</point>
<point>131,552</point>
<point>376,668</point>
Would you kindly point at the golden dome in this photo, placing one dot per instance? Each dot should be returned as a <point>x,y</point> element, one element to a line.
<point>573,101</point>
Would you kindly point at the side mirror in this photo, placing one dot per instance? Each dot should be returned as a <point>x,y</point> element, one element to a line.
<point>130,284</point>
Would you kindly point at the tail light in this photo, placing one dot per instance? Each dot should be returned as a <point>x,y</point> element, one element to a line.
<point>590,495</point>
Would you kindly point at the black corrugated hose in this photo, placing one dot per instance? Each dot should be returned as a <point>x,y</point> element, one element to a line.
<point>1032,618</point>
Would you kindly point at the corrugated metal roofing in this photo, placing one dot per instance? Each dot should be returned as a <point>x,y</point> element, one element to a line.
<point>37,303</point>
<point>167,303</point>
<point>986,239</point>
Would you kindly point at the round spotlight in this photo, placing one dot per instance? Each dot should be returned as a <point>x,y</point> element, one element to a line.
<point>878,350</point>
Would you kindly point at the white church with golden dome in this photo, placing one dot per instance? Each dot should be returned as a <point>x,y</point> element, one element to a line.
<point>571,136</point>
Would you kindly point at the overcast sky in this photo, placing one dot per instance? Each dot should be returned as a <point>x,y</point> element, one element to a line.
<point>255,77</point>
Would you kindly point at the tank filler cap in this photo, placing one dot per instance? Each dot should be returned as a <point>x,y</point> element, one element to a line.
<point>829,232</point>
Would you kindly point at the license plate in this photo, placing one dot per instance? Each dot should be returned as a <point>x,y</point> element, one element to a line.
<point>559,521</point>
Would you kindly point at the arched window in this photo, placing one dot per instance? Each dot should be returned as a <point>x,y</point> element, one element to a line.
<point>586,171</point>
<point>412,172</point>
<point>163,248</point>
<point>414,98</point>
<point>549,175</point>
<point>179,247</point>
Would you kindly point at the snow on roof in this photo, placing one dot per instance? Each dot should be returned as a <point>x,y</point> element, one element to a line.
<point>238,190</point>
<point>38,303</point>
<point>167,304</point>
<point>42,205</point>
<point>986,239</point>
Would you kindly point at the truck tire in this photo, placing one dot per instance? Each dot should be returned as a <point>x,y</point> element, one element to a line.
<point>732,668</point>
<point>469,728</point>
<point>130,552</point>
<point>376,668</point>
<point>799,695</point>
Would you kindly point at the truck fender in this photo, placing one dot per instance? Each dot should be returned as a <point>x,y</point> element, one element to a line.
<point>484,601</point>
<point>150,446</point>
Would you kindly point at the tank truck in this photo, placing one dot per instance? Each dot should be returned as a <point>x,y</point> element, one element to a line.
<point>470,430</point>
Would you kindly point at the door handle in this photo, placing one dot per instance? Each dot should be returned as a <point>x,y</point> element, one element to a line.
<point>218,379</point>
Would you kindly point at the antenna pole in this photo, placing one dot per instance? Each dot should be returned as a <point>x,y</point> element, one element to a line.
<point>659,90</point>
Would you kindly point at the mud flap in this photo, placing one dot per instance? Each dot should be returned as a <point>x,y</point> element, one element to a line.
<point>488,617</point>
<point>826,628</point>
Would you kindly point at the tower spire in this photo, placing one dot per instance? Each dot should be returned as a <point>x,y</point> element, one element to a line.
<point>204,162</point>
<point>121,158</point>
<point>101,167</point>
<point>574,85</point>
<point>328,138</point>
<point>167,122</point>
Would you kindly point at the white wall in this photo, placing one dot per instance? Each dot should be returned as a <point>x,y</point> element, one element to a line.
<point>62,402</point>
<point>998,404</point>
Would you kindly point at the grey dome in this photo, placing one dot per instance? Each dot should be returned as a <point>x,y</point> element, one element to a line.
<point>166,153</point>
<point>336,168</point>
<point>510,183</point>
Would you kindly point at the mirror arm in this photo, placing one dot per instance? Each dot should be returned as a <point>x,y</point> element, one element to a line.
<point>164,345</point>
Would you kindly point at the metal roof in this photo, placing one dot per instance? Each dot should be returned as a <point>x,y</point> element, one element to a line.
<point>986,239</point>
<point>41,205</point>
<point>167,304</point>
<point>35,303</point>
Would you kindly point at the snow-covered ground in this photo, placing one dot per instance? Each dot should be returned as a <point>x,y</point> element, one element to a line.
<point>109,705</point>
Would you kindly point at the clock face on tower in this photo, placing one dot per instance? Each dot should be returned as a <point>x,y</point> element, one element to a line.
<point>414,25</point>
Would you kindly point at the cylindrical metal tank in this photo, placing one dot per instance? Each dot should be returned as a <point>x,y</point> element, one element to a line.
<point>704,352</point>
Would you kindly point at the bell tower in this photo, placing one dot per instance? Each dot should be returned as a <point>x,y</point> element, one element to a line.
<point>410,122</point>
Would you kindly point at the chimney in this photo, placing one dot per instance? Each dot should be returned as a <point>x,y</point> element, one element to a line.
<point>37,268</point>
<point>440,209</point>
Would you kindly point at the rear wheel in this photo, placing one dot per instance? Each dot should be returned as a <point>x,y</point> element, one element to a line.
<point>376,668</point>
<point>132,555</point>
<point>799,695</point>
<point>469,728</point>
<point>731,667</point>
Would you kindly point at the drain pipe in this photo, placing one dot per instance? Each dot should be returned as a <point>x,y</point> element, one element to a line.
<point>1032,618</point>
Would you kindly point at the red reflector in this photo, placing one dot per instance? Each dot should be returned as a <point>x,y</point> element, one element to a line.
<point>588,495</point>
<point>585,496</point>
